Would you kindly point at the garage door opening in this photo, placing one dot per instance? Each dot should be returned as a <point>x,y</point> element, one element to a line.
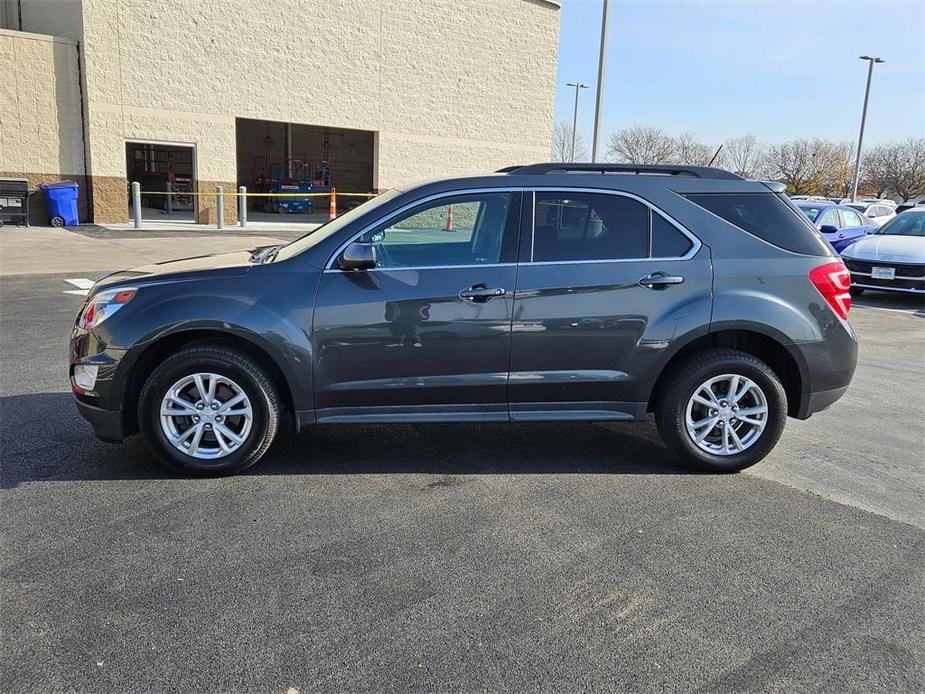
<point>284,160</point>
<point>167,177</point>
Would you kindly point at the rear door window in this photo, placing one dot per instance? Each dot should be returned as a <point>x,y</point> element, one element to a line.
<point>850,218</point>
<point>830,218</point>
<point>766,216</point>
<point>588,226</point>
<point>667,240</point>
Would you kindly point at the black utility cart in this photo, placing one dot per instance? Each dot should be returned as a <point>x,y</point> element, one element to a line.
<point>14,201</point>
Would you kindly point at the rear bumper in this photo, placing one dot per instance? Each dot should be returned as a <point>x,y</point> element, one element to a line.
<point>107,424</point>
<point>827,368</point>
<point>811,403</point>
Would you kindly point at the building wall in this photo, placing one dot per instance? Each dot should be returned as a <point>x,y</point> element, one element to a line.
<point>41,135</point>
<point>450,86</point>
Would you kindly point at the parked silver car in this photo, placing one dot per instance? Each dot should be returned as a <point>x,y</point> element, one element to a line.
<point>892,258</point>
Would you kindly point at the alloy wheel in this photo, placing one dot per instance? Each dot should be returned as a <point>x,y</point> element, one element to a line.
<point>206,416</point>
<point>726,414</point>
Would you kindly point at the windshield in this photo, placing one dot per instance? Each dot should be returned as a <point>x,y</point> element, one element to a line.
<point>906,224</point>
<point>325,230</point>
<point>811,211</point>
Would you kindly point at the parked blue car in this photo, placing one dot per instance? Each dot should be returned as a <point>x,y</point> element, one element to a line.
<point>841,225</point>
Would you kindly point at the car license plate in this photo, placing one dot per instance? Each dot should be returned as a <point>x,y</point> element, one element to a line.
<point>883,273</point>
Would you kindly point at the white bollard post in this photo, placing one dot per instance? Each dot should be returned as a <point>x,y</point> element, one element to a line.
<point>136,204</point>
<point>220,208</point>
<point>242,206</point>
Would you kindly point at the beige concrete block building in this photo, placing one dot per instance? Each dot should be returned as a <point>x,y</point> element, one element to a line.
<point>371,94</point>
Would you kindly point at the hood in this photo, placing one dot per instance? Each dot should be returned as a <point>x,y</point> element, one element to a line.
<point>235,261</point>
<point>888,247</point>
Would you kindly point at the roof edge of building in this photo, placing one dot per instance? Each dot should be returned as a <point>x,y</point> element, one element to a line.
<point>549,3</point>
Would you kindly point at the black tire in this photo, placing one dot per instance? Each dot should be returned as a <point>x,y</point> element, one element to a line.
<point>856,291</point>
<point>670,411</point>
<point>57,221</point>
<point>225,362</point>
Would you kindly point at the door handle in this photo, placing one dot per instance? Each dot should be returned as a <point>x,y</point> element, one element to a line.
<point>480,293</point>
<point>659,280</point>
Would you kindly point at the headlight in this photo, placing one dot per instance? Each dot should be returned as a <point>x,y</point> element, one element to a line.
<point>100,306</point>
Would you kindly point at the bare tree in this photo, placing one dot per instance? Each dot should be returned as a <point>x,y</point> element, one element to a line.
<point>641,145</point>
<point>900,167</point>
<point>689,150</point>
<point>837,170</point>
<point>804,165</point>
<point>745,156</point>
<point>562,144</point>
<point>874,175</point>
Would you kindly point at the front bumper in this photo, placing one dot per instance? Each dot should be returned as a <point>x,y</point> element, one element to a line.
<point>102,404</point>
<point>107,424</point>
<point>909,278</point>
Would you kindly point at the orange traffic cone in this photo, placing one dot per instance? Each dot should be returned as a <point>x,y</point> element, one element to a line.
<point>449,219</point>
<point>333,203</point>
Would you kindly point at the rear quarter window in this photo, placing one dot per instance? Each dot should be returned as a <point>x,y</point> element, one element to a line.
<point>766,216</point>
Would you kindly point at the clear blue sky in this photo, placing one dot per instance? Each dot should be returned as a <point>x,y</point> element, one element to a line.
<point>779,70</point>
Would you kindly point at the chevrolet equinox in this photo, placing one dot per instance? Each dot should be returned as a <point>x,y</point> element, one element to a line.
<point>548,292</point>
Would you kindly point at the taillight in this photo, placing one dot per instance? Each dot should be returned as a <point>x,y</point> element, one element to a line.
<point>833,281</point>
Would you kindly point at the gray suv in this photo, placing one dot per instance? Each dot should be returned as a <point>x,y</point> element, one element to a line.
<point>547,292</point>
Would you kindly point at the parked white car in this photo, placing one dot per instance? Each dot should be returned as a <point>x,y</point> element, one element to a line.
<point>892,258</point>
<point>878,212</point>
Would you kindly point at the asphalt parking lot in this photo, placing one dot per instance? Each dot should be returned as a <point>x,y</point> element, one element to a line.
<point>536,558</point>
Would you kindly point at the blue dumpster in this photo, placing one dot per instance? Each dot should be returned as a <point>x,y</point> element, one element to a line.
<point>61,201</point>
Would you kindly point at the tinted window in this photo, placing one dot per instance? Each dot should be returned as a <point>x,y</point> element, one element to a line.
<point>766,216</point>
<point>830,218</point>
<point>589,226</point>
<point>462,230</point>
<point>667,241</point>
<point>851,218</point>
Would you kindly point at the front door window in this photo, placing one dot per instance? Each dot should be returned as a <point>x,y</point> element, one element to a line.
<point>449,232</point>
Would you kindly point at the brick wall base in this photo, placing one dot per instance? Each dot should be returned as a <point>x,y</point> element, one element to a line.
<point>110,199</point>
<point>206,203</point>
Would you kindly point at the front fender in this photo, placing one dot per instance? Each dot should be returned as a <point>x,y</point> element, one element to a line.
<point>270,313</point>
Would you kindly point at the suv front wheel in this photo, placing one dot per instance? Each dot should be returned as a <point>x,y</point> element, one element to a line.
<point>722,410</point>
<point>208,410</point>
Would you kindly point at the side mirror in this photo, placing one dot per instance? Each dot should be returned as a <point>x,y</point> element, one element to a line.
<point>828,229</point>
<point>358,256</point>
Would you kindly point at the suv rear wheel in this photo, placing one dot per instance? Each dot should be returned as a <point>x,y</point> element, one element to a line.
<point>208,411</point>
<point>722,410</point>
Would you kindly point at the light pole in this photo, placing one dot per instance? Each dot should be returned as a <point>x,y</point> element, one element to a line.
<point>577,85</point>
<point>857,159</point>
<point>596,141</point>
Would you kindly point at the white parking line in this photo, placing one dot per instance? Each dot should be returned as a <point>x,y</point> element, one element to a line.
<point>83,286</point>
<point>915,312</point>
